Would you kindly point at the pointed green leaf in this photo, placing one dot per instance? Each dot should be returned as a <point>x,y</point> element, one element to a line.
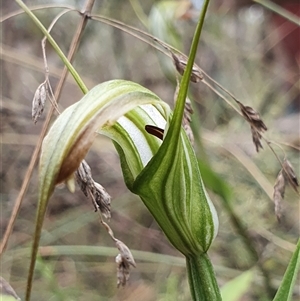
<point>285,290</point>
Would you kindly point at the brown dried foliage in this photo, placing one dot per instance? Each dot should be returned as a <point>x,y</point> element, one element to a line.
<point>256,124</point>
<point>124,261</point>
<point>180,63</point>
<point>38,102</point>
<point>93,190</point>
<point>285,176</point>
<point>289,174</point>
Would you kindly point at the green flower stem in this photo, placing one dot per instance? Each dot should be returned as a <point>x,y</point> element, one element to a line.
<point>202,278</point>
<point>184,85</point>
<point>55,46</point>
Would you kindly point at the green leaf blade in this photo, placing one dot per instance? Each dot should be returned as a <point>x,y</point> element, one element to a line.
<point>285,290</point>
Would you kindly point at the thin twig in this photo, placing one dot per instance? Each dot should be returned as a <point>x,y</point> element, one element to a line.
<point>129,30</point>
<point>37,7</point>
<point>44,40</point>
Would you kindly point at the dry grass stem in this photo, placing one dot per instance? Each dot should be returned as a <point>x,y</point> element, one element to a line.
<point>42,91</point>
<point>36,7</point>
<point>124,259</point>
<point>278,195</point>
<point>101,202</point>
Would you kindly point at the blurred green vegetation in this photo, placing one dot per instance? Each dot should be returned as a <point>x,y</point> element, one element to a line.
<point>77,256</point>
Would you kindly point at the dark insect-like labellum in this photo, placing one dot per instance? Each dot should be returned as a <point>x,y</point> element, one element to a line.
<point>155,131</point>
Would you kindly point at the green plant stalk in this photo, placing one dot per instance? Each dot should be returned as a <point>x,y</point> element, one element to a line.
<point>202,280</point>
<point>184,85</point>
<point>285,291</point>
<point>57,49</point>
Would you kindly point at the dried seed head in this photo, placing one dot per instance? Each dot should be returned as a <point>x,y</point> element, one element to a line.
<point>84,177</point>
<point>7,290</point>
<point>180,63</point>
<point>123,271</point>
<point>38,102</point>
<point>125,253</point>
<point>93,190</point>
<point>256,136</point>
<point>289,174</point>
<point>253,117</point>
<point>124,261</point>
<point>256,123</point>
<point>278,194</point>
<point>102,199</point>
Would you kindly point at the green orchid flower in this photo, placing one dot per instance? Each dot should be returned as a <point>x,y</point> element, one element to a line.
<point>164,174</point>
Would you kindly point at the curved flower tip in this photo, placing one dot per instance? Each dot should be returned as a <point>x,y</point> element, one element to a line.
<point>165,174</point>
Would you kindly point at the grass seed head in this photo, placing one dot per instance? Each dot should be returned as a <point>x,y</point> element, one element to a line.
<point>289,174</point>
<point>180,64</point>
<point>91,189</point>
<point>124,260</point>
<point>256,136</point>
<point>253,118</point>
<point>256,124</point>
<point>38,102</point>
<point>102,199</point>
